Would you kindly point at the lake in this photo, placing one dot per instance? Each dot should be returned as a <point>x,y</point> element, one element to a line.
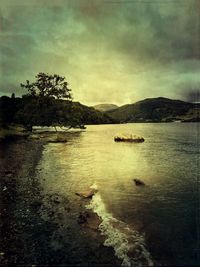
<point>157,224</point>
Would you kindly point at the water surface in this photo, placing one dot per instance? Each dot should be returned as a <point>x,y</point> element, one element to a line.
<point>155,224</point>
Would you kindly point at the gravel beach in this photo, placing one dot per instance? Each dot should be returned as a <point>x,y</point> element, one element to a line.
<point>41,229</point>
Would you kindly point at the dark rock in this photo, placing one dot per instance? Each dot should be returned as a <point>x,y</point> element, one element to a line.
<point>139,182</point>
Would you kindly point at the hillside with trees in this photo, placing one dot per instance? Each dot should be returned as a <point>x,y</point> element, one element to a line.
<point>48,102</point>
<point>157,110</point>
<point>28,111</point>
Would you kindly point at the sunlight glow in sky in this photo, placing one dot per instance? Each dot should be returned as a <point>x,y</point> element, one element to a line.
<point>110,51</point>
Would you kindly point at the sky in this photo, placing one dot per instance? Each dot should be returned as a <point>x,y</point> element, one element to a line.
<point>110,51</point>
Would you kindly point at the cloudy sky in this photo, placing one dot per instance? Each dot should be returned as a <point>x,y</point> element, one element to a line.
<point>110,51</point>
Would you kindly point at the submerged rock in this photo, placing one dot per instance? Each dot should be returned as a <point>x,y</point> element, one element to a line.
<point>129,138</point>
<point>88,193</point>
<point>139,182</point>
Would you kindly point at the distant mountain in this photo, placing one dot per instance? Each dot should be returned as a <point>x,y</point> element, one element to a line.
<point>157,110</point>
<point>105,107</point>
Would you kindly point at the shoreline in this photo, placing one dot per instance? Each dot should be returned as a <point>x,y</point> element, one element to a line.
<point>19,160</point>
<point>37,228</point>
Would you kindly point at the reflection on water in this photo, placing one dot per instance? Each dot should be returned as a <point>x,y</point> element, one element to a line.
<point>165,211</point>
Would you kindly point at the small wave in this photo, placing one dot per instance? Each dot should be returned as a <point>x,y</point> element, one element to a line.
<point>128,244</point>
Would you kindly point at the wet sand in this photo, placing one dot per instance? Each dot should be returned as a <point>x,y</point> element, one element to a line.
<point>38,229</point>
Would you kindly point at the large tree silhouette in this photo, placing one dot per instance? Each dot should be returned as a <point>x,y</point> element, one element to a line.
<point>48,85</point>
<point>44,103</point>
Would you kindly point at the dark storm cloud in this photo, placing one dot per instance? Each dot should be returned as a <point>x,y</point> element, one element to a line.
<point>167,31</point>
<point>110,51</point>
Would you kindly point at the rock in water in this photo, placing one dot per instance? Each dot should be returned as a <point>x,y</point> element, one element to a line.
<point>88,193</point>
<point>129,138</point>
<point>138,182</point>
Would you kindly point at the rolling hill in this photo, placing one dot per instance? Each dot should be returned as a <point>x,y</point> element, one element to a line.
<point>157,110</point>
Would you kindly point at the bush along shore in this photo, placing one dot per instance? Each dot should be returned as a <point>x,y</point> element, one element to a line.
<point>38,228</point>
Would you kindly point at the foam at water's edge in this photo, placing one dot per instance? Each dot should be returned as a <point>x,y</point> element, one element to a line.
<point>128,244</point>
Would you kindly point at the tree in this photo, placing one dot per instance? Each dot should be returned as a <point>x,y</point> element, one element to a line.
<point>44,102</point>
<point>48,85</point>
<point>8,108</point>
